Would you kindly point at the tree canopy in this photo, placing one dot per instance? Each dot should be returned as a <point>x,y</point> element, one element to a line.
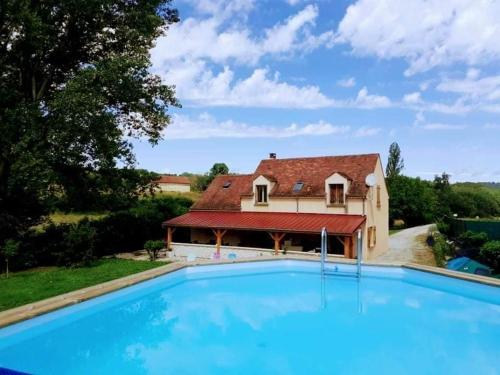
<point>395,162</point>
<point>203,181</point>
<point>75,88</point>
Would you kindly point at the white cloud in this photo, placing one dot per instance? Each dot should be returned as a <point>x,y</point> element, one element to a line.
<point>491,126</point>
<point>412,98</point>
<point>206,126</point>
<point>367,131</point>
<point>424,85</point>
<point>441,126</point>
<point>419,118</point>
<point>201,86</point>
<point>366,100</point>
<point>427,33</point>
<point>222,38</point>
<point>473,87</point>
<point>222,8</point>
<point>347,82</point>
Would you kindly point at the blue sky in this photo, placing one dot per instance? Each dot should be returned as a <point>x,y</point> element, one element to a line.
<point>302,78</point>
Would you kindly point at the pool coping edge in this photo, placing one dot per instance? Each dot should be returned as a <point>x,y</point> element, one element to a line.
<point>31,310</point>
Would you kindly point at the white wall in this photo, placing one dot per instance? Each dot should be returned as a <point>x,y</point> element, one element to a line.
<point>181,188</point>
<point>207,251</point>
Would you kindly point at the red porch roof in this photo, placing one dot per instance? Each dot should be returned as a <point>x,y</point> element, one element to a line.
<point>269,221</point>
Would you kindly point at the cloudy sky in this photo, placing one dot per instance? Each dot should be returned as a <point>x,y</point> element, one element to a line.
<point>304,78</point>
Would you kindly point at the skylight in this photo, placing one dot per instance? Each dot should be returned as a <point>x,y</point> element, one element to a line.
<point>298,186</point>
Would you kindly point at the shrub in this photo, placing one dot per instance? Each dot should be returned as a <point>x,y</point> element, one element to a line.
<point>443,227</point>
<point>9,250</point>
<point>472,240</point>
<point>77,247</point>
<point>442,249</point>
<point>490,254</point>
<point>153,248</point>
<point>78,244</point>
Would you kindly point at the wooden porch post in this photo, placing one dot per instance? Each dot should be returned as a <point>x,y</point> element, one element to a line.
<point>170,231</point>
<point>347,247</point>
<point>351,247</point>
<point>277,237</point>
<point>219,233</point>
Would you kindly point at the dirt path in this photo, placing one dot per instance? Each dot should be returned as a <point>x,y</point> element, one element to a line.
<point>409,245</point>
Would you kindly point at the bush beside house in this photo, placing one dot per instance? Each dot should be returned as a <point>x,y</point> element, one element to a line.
<point>80,243</point>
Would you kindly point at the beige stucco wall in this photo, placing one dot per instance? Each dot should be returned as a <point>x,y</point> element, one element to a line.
<point>353,206</point>
<point>377,216</point>
<point>181,188</point>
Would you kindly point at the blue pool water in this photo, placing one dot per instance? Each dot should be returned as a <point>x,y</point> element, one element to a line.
<point>276,317</point>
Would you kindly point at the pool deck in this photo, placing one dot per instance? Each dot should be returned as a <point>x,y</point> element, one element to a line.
<point>31,310</point>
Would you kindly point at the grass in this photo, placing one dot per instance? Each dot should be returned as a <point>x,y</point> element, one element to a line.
<point>40,283</point>
<point>193,195</point>
<point>394,231</point>
<point>75,217</point>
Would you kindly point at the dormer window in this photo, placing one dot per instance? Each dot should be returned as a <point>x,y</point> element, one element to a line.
<point>298,186</point>
<point>336,194</point>
<point>226,185</point>
<point>261,193</point>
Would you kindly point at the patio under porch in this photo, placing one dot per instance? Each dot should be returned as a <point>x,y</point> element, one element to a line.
<point>280,231</point>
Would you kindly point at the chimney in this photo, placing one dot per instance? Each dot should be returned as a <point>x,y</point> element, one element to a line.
<point>272,155</point>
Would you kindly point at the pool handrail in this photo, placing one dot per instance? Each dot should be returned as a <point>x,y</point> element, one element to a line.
<point>359,252</point>
<point>324,249</point>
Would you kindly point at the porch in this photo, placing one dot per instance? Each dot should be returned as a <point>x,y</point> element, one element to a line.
<point>281,232</point>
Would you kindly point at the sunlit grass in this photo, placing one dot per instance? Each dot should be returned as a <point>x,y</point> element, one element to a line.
<point>36,284</point>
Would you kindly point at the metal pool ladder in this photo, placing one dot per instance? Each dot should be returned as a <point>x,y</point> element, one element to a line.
<point>324,251</point>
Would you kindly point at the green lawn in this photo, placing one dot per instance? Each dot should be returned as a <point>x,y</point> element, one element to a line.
<point>39,283</point>
<point>394,231</point>
<point>74,217</point>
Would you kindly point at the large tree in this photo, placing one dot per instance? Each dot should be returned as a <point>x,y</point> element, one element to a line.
<point>412,200</point>
<point>75,87</point>
<point>203,181</point>
<point>395,163</point>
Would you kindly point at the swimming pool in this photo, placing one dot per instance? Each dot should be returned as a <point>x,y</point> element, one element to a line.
<point>275,317</point>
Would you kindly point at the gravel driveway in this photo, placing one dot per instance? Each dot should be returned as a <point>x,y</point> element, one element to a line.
<point>409,245</point>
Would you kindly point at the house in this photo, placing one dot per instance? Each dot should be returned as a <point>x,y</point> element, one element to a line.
<point>285,203</point>
<point>179,184</point>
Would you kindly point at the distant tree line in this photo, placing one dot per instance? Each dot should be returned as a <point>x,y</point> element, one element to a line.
<point>200,182</point>
<point>417,201</point>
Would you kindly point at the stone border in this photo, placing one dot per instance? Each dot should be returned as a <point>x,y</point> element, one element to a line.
<point>34,309</point>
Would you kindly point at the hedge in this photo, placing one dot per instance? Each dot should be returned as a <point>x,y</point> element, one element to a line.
<point>79,244</point>
<point>441,248</point>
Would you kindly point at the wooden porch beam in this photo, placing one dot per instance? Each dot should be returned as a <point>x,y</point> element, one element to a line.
<point>347,246</point>
<point>277,237</point>
<point>170,231</point>
<point>219,233</point>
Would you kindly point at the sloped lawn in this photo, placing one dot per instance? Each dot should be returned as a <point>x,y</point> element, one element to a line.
<point>40,283</point>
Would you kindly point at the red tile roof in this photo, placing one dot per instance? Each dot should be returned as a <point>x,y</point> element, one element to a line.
<point>218,197</point>
<point>168,179</point>
<point>285,173</point>
<point>270,221</point>
<point>313,171</point>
